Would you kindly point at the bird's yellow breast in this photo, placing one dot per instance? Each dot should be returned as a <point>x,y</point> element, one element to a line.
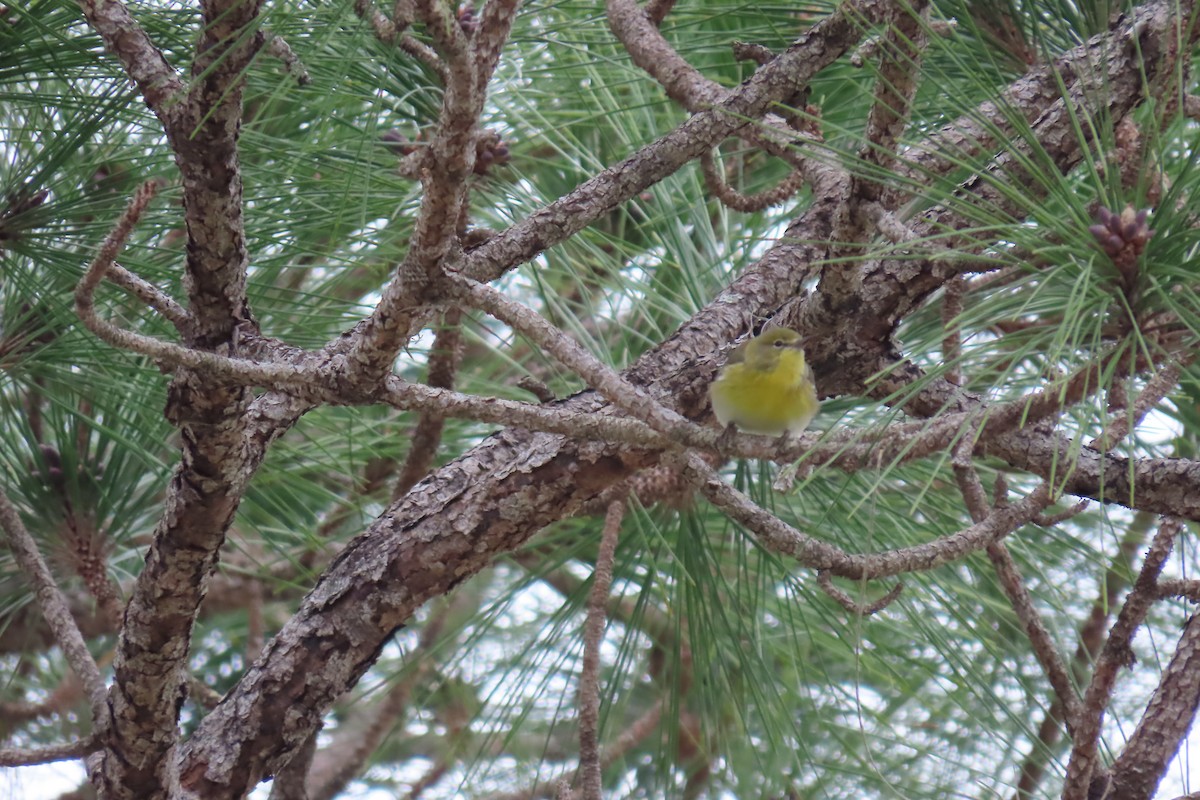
<point>770,401</point>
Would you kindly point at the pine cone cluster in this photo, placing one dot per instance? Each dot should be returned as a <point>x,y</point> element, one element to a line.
<point>1123,237</point>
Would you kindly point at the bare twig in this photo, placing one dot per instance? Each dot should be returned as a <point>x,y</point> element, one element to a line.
<point>393,32</point>
<point>657,10</point>
<point>1015,590</point>
<point>166,353</point>
<point>851,605</point>
<point>589,679</point>
<point>952,306</point>
<point>639,34</point>
<point>27,757</point>
<point>152,296</point>
<point>616,389</point>
<point>1158,387</point>
<point>1050,520</point>
<point>114,242</point>
<point>1115,654</point>
<point>752,51</point>
<point>279,48</point>
<point>1091,635</point>
<point>444,359</point>
<point>1035,630</point>
<point>900,51</point>
<point>636,732</point>
<point>748,203</point>
<point>779,537</point>
<point>447,165</point>
<point>494,24</point>
<point>202,694</point>
<point>54,605</point>
<point>1183,589</point>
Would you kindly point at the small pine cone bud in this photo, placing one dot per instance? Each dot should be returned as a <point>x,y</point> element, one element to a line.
<point>53,462</point>
<point>490,150</point>
<point>1123,238</point>
<point>467,19</point>
<point>397,142</point>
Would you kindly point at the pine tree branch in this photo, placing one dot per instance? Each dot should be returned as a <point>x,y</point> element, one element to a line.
<point>779,537</point>
<point>53,605</point>
<point>1169,715</point>
<point>900,50</point>
<point>159,84</point>
<point>26,757</point>
<point>593,636</point>
<point>1115,654</point>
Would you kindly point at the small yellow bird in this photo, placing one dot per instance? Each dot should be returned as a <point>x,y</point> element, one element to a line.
<point>766,386</point>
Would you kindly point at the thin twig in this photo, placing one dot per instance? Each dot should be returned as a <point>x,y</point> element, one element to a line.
<point>393,32</point>
<point>54,605</point>
<point>1091,633</point>
<point>900,50</point>
<point>1158,387</point>
<point>202,694</point>
<point>152,296</point>
<point>657,10</point>
<point>495,22</point>
<point>952,307</point>
<point>1115,654</point>
<point>444,359</point>
<point>157,81</point>
<point>1017,593</point>
<point>1183,589</point>
<point>779,537</point>
<point>593,635</point>
<point>748,203</point>
<point>166,353</point>
<point>27,757</point>
<point>843,599</point>
<point>1050,520</point>
<point>604,379</point>
<point>634,733</point>
<point>1035,630</point>
<point>446,168</point>
<point>279,48</point>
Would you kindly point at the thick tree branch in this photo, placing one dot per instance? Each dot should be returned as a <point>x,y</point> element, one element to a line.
<point>1136,773</point>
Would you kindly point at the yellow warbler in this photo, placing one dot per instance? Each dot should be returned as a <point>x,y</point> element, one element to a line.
<point>766,386</point>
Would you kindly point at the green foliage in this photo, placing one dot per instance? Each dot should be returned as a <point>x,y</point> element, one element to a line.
<point>768,687</point>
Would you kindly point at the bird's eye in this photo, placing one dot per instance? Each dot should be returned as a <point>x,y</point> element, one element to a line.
<point>778,343</point>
